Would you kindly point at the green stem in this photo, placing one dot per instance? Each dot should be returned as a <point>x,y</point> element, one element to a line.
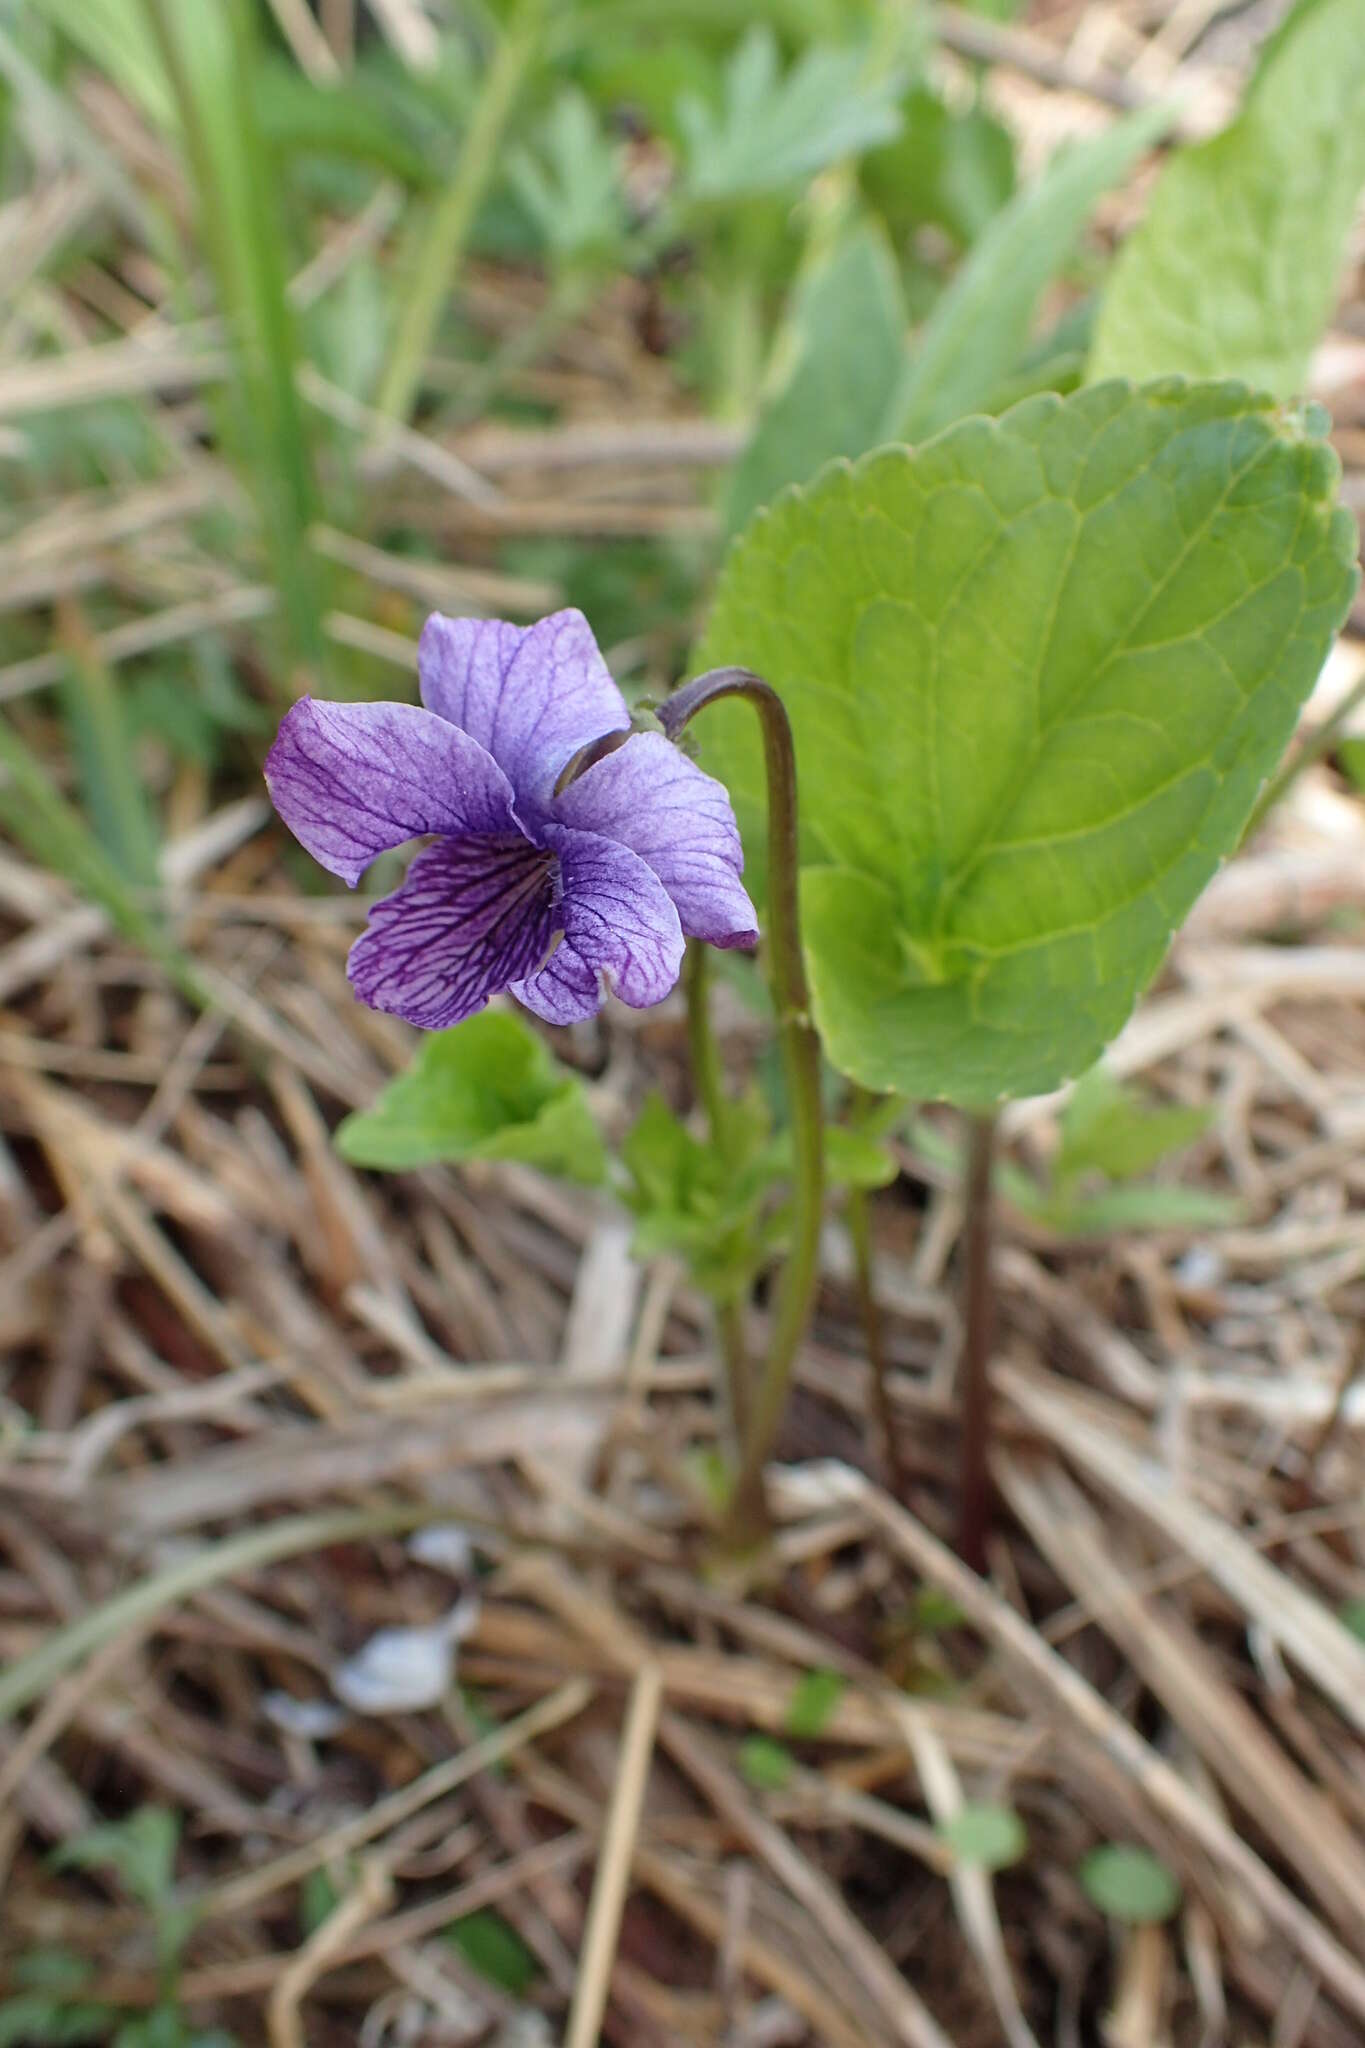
<point>706,1077</point>
<point>978,1342</point>
<point>1313,749</point>
<point>442,253</point>
<point>208,1565</point>
<point>746,1520</point>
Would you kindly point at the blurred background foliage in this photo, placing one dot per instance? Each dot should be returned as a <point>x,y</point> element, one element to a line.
<point>288,265</point>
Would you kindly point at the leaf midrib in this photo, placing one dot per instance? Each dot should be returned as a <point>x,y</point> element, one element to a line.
<point>986,840</point>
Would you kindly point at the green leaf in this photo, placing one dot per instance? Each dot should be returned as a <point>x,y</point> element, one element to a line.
<point>848,345</point>
<point>699,1202</point>
<point>1129,1884</point>
<point>318,1898</point>
<point>114,36</point>
<point>492,1947</point>
<point>572,187</point>
<point>101,733</point>
<point>1352,1616</point>
<point>990,1837</point>
<point>366,116</point>
<point>980,327</point>
<point>37,2017</point>
<point>1235,269</point>
<point>772,132</point>
<point>56,1970</point>
<point>209,61</point>
<point>934,1610</point>
<point>949,168</point>
<point>1351,756</point>
<point>489,1088</point>
<point>814,1698</point>
<point>139,1850</point>
<point>765,1763</point>
<point>1118,1131</point>
<point>854,1159</point>
<point>1037,672</point>
<point>1110,1211</point>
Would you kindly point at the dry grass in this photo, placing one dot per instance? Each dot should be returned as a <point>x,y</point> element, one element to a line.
<point>225,1351</point>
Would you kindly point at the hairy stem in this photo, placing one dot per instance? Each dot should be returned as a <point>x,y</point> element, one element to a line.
<point>746,1521</point>
<point>978,1341</point>
<point>706,1076</point>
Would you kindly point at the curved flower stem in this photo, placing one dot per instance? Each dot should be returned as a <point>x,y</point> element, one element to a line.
<point>706,1075</point>
<point>746,1520</point>
<point>978,1341</point>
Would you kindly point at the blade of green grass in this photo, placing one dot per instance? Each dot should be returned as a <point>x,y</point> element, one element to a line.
<point>38,817</point>
<point>29,1677</point>
<point>440,252</point>
<point>210,55</point>
<point>53,115</point>
<point>106,764</point>
<point>979,328</point>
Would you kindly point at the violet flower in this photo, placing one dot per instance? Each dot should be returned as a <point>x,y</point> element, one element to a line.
<point>555,893</point>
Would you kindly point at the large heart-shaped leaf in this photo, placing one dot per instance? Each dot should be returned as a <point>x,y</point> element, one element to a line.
<point>1037,671</point>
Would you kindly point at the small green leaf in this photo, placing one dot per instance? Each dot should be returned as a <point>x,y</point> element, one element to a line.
<point>765,1763</point>
<point>1109,1211</point>
<point>702,1203</point>
<point>854,1159</point>
<point>1037,672</point>
<point>1111,1129</point>
<point>1129,1884</point>
<point>934,1610</point>
<point>102,744</point>
<point>57,1970</point>
<point>949,168</point>
<point>773,133</point>
<point>38,2018</point>
<point>709,1471</point>
<point>139,1850</point>
<point>489,1088</point>
<point>490,1945</point>
<point>1351,756</point>
<point>814,1698</point>
<point>848,345</point>
<point>991,1837</point>
<point>318,1897</point>
<point>366,116</point>
<point>1352,1616</point>
<point>571,187</point>
<point>980,327</point>
<point>1236,268</point>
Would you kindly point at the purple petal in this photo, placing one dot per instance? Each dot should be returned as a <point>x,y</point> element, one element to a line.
<point>351,780</point>
<point>471,917</point>
<point>532,696</point>
<point>619,925</point>
<point>654,800</point>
